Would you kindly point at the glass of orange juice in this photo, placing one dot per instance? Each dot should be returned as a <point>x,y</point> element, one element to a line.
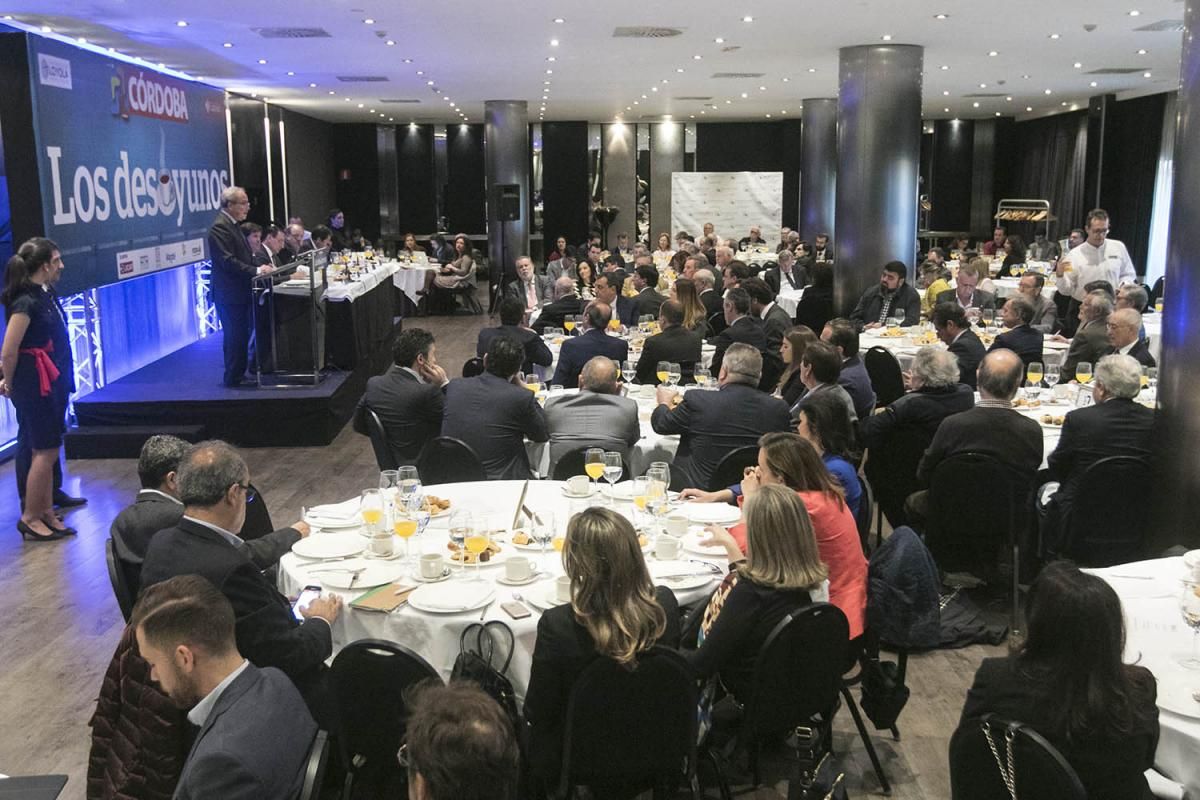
<point>614,324</point>
<point>476,542</point>
<point>593,464</point>
<point>405,526</point>
<point>1083,372</point>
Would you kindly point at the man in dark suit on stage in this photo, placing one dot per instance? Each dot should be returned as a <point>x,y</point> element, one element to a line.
<point>675,344</point>
<point>512,313</point>
<point>1123,327</point>
<point>213,484</point>
<point>950,322</point>
<point>567,303</point>
<point>594,342</point>
<point>740,327</point>
<point>409,398</point>
<point>230,280</point>
<point>494,414</point>
<point>711,424</point>
<point>254,732</point>
<point>1113,426</point>
<point>1021,338</point>
<point>645,280</point>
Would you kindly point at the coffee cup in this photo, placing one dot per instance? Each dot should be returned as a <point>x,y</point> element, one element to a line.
<point>433,565</point>
<point>518,568</point>
<point>677,525</point>
<point>562,588</point>
<point>578,484</point>
<point>667,548</point>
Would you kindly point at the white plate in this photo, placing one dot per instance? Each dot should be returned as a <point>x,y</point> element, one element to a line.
<point>566,493</point>
<point>706,513</point>
<point>531,579</point>
<point>543,597</point>
<point>533,547</point>
<point>332,523</point>
<point>328,545</point>
<point>452,597</point>
<point>691,543</point>
<point>697,575</point>
<point>374,573</point>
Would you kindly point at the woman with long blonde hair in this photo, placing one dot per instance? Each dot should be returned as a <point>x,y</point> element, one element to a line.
<point>694,314</point>
<point>615,612</point>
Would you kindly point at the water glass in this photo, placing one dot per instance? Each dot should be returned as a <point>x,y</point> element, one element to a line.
<point>629,370</point>
<point>1052,375</point>
<point>614,467</point>
<point>674,374</point>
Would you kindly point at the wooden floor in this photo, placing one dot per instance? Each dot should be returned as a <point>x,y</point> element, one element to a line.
<point>61,622</point>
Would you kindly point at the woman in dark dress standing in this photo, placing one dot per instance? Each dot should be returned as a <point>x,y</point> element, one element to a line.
<point>36,363</point>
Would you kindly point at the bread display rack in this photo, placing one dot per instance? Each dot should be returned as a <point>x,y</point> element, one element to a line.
<point>1034,212</point>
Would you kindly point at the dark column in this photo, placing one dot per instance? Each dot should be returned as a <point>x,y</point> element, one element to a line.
<point>250,154</point>
<point>506,163</point>
<point>356,149</point>
<point>950,174</point>
<point>818,167</point>
<point>465,206</point>
<point>414,175</point>
<point>790,138</point>
<point>1178,475</point>
<point>565,206</point>
<point>879,154</point>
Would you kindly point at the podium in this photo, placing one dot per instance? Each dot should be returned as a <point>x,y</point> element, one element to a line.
<point>289,322</point>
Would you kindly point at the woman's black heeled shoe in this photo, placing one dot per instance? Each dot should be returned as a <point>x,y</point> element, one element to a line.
<point>29,533</point>
<point>66,530</point>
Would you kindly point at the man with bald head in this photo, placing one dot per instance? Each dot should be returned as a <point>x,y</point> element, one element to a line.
<point>1123,327</point>
<point>595,417</point>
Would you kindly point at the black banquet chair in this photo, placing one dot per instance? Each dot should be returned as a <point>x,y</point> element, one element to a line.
<point>118,576</point>
<point>379,443</point>
<point>318,764</point>
<point>886,376</point>
<point>628,730</point>
<point>367,684</point>
<point>445,459</point>
<point>1102,527</point>
<point>1039,771</point>
<point>732,467</point>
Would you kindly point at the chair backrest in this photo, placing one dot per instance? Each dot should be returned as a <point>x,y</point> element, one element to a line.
<point>379,443</point>
<point>1106,524</point>
<point>862,520</point>
<point>119,579</point>
<point>886,377</point>
<point>472,367</point>
<point>367,683</point>
<point>258,518</point>
<point>571,464</point>
<point>976,504</point>
<point>732,467</point>
<point>314,772</point>
<point>892,467</point>
<point>445,459</point>
<point>1040,771</point>
<point>630,727</point>
<point>798,671</point>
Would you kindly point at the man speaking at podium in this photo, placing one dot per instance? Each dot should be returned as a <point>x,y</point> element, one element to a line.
<point>230,280</point>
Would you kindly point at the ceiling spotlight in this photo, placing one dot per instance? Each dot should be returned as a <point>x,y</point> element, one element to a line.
<point>747,19</point>
<point>768,116</point>
<point>944,67</point>
<point>644,97</point>
<point>1078,65</point>
<point>1029,108</point>
<point>1025,77</point>
<point>812,69</point>
<point>82,40</point>
<point>347,99</point>
<point>993,53</point>
<point>372,111</point>
<point>946,110</point>
<point>331,91</point>
<point>1093,84</point>
<point>697,57</point>
<point>654,88</point>
<point>783,111</point>
<point>1145,74</point>
<point>744,95</point>
<point>941,16</point>
<point>181,23</point>
<point>551,58</point>
<point>420,72</point>
<point>1008,99</point>
<point>728,102</point>
<point>429,83</point>
<point>719,40</point>
<point>1135,13</point>
<point>545,83</point>
<point>787,80</point>
<point>945,93</point>
<point>360,105</point>
<point>227,44</point>
<point>390,42</point>
<point>262,61</point>
<point>559,20</point>
<point>887,37</point>
<point>368,21</point>
<point>679,69</point>
<point>291,74</point>
<point>407,61</point>
<point>312,86</point>
<point>1141,52</point>
<point>983,86</point>
<point>554,42</point>
<point>549,72</point>
<point>1047,92</point>
<point>636,102</point>
<point>762,88</point>
<point>975,104</point>
<point>1054,36</point>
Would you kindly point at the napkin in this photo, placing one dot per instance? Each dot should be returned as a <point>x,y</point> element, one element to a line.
<point>335,512</point>
<point>455,595</point>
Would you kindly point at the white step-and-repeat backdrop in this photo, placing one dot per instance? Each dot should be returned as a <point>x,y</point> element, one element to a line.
<point>731,201</point>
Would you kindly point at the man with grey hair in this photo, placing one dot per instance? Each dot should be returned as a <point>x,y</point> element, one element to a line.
<point>1133,295</point>
<point>1091,338</point>
<point>705,280</point>
<point>567,303</point>
<point>233,269</point>
<point>724,256</point>
<point>899,432</point>
<point>214,484</point>
<point>529,287</point>
<point>1123,326</point>
<point>595,417</point>
<point>788,275</point>
<point>1021,338</point>
<point>712,424</point>
<point>1114,425</point>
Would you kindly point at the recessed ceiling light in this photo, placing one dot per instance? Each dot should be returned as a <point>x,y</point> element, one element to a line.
<point>1064,102</point>
<point>887,37</point>
<point>559,20</point>
<point>1141,52</point>
<point>983,86</point>
<point>993,53</point>
<point>744,95</point>
<point>941,16</point>
<point>47,29</point>
<point>629,108</point>
<point>1008,99</point>
<point>728,102</point>
<point>762,88</point>
<point>262,61</point>
<point>227,44</point>
<point>653,89</point>
<point>408,61</point>
<point>1054,36</point>
<point>1078,65</point>
<point>181,23</point>
<point>368,21</point>
<point>390,42</point>
<point>545,83</point>
<point>161,65</point>
<point>360,105</point>
<point>636,102</point>
<point>945,92</point>
<point>783,111</point>
<point>1093,84</point>
<point>82,40</point>
<point>252,94</point>
<point>719,40</point>
<point>702,112</point>
<point>975,104</point>
<point>347,99</point>
<point>644,97</point>
<point>1134,13</point>
<point>551,58</point>
<point>420,72</point>
<point>768,116</point>
<point>291,74</point>
<point>787,80</point>
<point>1025,77</point>
<point>549,72</point>
<point>1047,92</point>
<point>312,86</point>
<point>332,92</point>
<point>1145,74</point>
<point>554,42</point>
<point>747,18</point>
<point>697,57</point>
<point>945,67</point>
<point>946,110</point>
<point>812,69</point>
<point>1029,108</point>
<point>372,111</point>
<point>679,69</point>
<point>664,80</point>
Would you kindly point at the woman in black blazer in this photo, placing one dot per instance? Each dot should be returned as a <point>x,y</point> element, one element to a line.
<point>795,342</point>
<point>615,613</point>
<point>1070,684</point>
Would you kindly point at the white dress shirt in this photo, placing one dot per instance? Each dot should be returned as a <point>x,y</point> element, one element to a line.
<point>199,713</point>
<point>1108,262</point>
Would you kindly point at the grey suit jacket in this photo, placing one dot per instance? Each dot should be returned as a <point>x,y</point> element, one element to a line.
<point>1045,315</point>
<point>543,286</point>
<point>1088,344</point>
<point>254,744</point>
<point>554,271</point>
<point>775,325</point>
<point>592,420</point>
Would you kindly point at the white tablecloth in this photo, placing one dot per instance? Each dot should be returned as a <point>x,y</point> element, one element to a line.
<point>1153,326</point>
<point>789,299</point>
<point>546,373</point>
<point>435,636</point>
<point>410,279</point>
<point>1155,636</point>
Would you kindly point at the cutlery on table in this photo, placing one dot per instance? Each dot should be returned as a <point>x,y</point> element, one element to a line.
<point>339,570</point>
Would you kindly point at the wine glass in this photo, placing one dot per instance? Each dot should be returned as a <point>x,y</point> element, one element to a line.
<point>989,319</point>
<point>1083,372</point>
<point>461,526</point>
<point>409,481</point>
<point>593,464</point>
<point>389,484</point>
<point>1152,377</point>
<point>1035,373</point>
<point>613,469</point>
<point>899,314</point>
<point>629,370</point>
<point>569,324</point>
<point>892,325</point>
<point>475,543</point>
<point>1189,607</point>
<point>663,371</point>
<point>1052,375</point>
<point>1032,390</point>
<point>641,495</point>
<point>405,525</point>
<point>674,374</point>
<point>702,376</point>
<point>370,506</point>
<point>542,531</point>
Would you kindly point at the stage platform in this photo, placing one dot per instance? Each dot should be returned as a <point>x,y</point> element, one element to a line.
<point>184,389</point>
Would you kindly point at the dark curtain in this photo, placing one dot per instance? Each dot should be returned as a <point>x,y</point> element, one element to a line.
<point>1049,165</point>
<point>1132,139</point>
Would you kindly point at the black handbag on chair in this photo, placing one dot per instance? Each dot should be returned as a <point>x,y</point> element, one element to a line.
<point>477,661</point>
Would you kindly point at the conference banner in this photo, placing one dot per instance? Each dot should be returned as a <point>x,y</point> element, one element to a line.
<point>131,163</point>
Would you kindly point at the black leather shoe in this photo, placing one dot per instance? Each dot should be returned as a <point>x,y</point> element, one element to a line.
<point>64,500</point>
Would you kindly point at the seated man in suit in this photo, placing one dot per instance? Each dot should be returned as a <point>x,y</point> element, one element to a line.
<point>892,295</point>
<point>156,508</point>
<point>711,424</point>
<point>1091,337</point>
<point>530,288</point>
<point>816,306</point>
<point>714,303</point>
<point>567,303</point>
<point>607,289</point>
<point>965,294</point>
<point>820,367</point>
<point>645,279</point>
<point>1123,326</point>
<point>776,322</point>
<point>560,267</point>
<point>410,396</point>
<point>950,322</point>
<point>512,318</point>
<point>990,427</point>
<point>213,481</point>
<point>739,327</point>
<point>595,417</point>
<point>675,344</point>
<point>254,732</point>
<point>788,275</point>
<point>494,414</point>
<point>1021,338</point>
<point>1045,313</point>
<point>753,240</point>
<point>1113,426</point>
<point>595,341</point>
<point>853,376</point>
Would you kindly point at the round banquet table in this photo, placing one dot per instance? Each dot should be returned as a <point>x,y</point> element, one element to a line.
<point>435,637</point>
<point>546,373</point>
<point>1155,636</point>
<point>410,279</point>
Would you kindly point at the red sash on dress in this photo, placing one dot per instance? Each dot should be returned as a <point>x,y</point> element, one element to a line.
<point>47,372</point>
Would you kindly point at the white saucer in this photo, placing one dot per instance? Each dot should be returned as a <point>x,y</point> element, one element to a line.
<point>419,578</point>
<point>591,491</point>
<point>531,579</point>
